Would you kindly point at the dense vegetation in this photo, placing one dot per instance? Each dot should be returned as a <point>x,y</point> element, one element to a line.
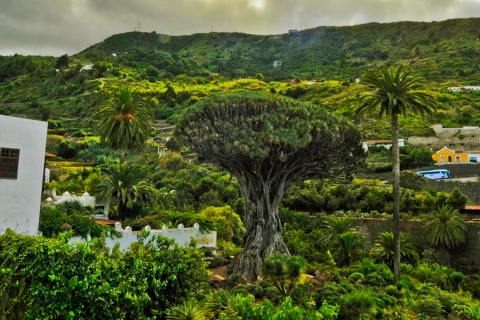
<point>332,271</point>
<point>173,72</point>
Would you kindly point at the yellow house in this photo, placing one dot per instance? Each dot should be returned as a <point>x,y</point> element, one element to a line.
<point>446,155</point>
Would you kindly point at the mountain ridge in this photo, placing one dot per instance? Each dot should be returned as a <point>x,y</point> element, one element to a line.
<point>173,72</point>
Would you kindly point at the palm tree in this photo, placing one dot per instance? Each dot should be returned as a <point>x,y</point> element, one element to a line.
<point>285,272</point>
<point>347,247</point>
<point>125,185</point>
<point>383,249</point>
<point>445,228</point>
<point>344,242</point>
<point>124,122</point>
<point>393,92</point>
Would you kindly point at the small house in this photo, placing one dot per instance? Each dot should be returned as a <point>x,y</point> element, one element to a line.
<point>446,155</point>
<point>22,158</point>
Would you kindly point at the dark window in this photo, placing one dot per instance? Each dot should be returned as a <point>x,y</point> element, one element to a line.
<point>9,163</point>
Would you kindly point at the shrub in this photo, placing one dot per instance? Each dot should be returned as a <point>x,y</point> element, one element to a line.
<point>49,279</point>
<point>81,223</point>
<point>469,312</point>
<point>375,279</point>
<point>471,283</point>
<point>356,277</point>
<point>230,227</point>
<point>428,307</point>
<point>357,305</point>
<point>392,290</point>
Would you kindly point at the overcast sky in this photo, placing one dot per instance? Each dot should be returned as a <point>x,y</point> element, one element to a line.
<point>56,27</point>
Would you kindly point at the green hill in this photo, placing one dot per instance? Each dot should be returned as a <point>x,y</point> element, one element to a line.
<point>173,72</point>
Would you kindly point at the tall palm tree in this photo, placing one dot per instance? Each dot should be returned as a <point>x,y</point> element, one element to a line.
<point>125,185</point>
<point>124,121</point>
<point>393,92</point>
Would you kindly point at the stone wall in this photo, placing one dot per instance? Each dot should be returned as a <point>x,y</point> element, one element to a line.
<point>458,143</point>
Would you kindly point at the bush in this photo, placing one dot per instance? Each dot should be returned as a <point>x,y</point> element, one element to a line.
<point>471,283</point>
<point>230,227</point>
<point>428,307</point>
<point>356,277</point>
<point>375,279</point>
<point>82,224</point>
<point>49,279</point>
<point>392,290</point>
<point>357,305</point>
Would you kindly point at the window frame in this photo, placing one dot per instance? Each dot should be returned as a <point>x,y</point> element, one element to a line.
<point>9,162</point>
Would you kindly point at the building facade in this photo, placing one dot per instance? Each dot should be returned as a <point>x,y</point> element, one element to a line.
<point>22,158</point>
<point>446,155</point>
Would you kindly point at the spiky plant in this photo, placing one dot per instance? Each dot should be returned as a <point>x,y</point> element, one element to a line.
<point>124,121</point>
<point>189,310</point>
<point>383,249</point>
<point>445,228</point>
<point>286,272</point>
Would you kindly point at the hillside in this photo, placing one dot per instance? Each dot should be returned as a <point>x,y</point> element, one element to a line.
<point>173,72</point>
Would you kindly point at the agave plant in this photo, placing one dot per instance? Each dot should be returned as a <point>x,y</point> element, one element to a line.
<point>189,310</point>
<point>285,272</point>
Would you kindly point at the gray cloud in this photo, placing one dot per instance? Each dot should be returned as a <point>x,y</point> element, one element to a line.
<point>56,27</point>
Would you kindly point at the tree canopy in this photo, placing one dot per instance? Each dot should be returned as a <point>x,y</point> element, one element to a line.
<point>124,122</point>
<point>271,136</point>
<point>267,142</point>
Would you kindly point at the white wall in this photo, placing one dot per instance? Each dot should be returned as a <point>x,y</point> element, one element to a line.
<point>181,235</point>
<point>20,198</point>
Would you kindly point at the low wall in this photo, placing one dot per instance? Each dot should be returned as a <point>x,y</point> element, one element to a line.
<point>470,250</point>
<point>182,236</point>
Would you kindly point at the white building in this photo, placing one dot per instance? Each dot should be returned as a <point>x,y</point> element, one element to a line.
<point>387,144</point>
<point>22,158</point>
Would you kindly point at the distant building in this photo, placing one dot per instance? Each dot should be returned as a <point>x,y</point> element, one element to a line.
<point>381,143</point>
<point>446,155</point>
<point>22,158</point>
<point>292,31</point>
<point>464,88</point>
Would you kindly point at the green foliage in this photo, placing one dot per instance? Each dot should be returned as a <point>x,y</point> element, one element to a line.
<point>124,122</point>
<point>457,200</point>
<point>345,243</point>
<point>469,312</point>
<point>157,218</point>
<point>230,227</point>
<point>285,272</point>
<point>471,283</point>
<point>81,222</point>
<point>49,279</point>
<point>427,307</point>
<point>357,305</point>
<point>125,185</point>
<point>383,249</point>
<point>411,180</point>
<point>188,310</point>
<point>224,305</point>
<point>439,275</point>
<point>445,227</point>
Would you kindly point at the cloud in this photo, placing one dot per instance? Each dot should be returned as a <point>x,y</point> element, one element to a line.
<point>56,27</point>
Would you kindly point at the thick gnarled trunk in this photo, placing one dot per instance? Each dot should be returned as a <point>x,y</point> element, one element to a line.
<point>264,228</point>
